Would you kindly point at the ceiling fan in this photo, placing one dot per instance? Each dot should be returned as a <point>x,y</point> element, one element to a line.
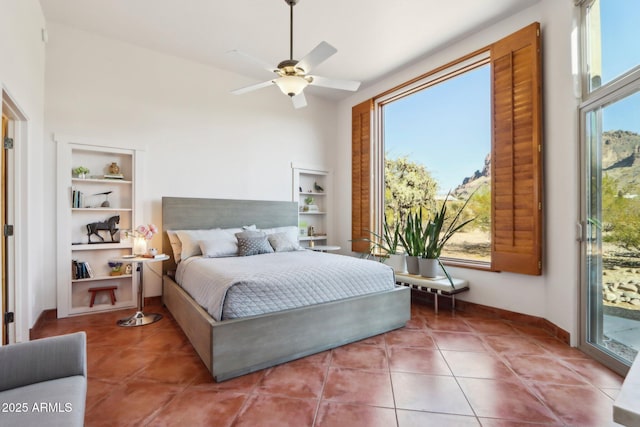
<point>292,75</point>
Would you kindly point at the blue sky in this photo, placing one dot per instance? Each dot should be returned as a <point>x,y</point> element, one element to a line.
<point>447,127</point>
<point>422,127</point>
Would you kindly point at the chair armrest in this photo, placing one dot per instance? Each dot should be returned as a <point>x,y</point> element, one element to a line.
<point>43,360</point>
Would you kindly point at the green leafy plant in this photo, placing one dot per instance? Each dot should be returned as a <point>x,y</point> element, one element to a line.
<point>308,200</point>
<point>413,239</point>
<point>81,170</point>
<point>436,234</point>
<point>387,243</point>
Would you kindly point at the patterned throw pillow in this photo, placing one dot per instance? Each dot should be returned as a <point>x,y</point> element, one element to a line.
<point>253,243</point>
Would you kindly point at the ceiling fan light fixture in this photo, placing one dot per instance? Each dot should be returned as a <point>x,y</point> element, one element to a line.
<point>291,85</point>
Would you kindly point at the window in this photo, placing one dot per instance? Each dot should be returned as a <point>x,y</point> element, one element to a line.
<point>515,129</point>
<point>428,155</point>
<point>610,196</point>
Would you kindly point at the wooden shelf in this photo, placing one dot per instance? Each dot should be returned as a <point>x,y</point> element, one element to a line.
<point>100,181</point>
<point>100,278</point>
<point>101,209</point>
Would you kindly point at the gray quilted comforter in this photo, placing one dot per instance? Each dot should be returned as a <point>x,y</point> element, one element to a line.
<point>234,287</point>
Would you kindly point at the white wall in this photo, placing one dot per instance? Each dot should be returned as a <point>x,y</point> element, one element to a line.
<point>22,80</point>
<point>554,295</point>
<point>200,140</point>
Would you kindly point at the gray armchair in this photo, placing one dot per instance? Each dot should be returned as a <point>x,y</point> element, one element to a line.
<point>44,382</point>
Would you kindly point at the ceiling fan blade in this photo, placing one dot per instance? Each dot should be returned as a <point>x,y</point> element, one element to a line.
<point>351,85</point>
<point>299,100</point>
<point>253,87</point>
<point>318,55</point>
<point>257,61</point>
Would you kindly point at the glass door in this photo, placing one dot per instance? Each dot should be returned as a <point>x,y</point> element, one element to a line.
<point>611,238</point>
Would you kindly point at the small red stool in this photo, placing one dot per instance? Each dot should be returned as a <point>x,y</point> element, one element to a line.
<point>111,290</point>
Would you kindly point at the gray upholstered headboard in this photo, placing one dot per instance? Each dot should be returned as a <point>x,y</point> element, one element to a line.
<point>184,213</point>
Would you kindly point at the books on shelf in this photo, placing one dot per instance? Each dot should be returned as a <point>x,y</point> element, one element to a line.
<point>77,199</point>
<point>81,270</point>
<point>113,176</point>
<point>153,256</point>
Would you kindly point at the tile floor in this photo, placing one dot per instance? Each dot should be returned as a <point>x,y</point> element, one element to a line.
<point>440,370</point>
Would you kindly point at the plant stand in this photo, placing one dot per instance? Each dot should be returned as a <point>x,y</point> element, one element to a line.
<point>438,286</point>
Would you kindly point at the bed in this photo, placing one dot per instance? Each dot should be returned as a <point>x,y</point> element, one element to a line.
<point>234,347</point>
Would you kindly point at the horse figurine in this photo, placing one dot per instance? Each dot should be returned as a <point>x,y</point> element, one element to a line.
<point>109,225</point>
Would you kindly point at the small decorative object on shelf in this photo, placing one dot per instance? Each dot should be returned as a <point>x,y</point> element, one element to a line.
<point>128,269</point>
<point>114,169</point>
<point>108,225</point>
<point>317,187</point>
<point>140,236</point>
<point>153,251</point>
<point>106,203</point>
<point>116,268</point>
<point>81,172</point>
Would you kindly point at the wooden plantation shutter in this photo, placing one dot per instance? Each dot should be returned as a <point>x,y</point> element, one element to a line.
<point>361,175</point>
<point>517,152</point>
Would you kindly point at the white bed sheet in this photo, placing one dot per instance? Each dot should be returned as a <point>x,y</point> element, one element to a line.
<point>235,287</point>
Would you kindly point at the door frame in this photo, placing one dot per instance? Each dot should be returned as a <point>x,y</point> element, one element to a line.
<point>18,300</point>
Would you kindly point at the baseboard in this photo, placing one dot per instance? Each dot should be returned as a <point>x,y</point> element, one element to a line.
<point>471,307</point>
<point>45,315</point>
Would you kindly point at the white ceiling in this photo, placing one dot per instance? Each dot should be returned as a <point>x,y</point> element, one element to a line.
<point>373,37</point>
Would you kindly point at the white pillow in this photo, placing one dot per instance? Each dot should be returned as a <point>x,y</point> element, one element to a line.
<point>176,245</point>
<point>291,231</point>
<point>191,239</point>
<point>280,242</point>
<point>219,243</point>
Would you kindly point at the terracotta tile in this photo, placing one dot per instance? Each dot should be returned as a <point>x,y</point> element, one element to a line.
<point>419,360</point>
<point>359,356</point>
<point>358,387</point>
<point>595,373</point>
<point>331,414</point>
<point>569,404</point>
<point>174,369</point>
<point>611,392</point>
<point>559,349</point>
<point>167,341</point>
<point>377,340</point>
<point>98,390</point>
<point>508,344</point>
<point>508,400</point>
<point>476,365</point>
<point>429,393</point>
<point>492,327</point>
<point>243,384</point>
<point>416,322</point>
<point>323,358</point>
<point>543,369</point>
<point>421,419</point>
<point>264,410</point>
<point>299,381</point>
<point>458,341</point>
<point>529,330</point>
<point>130,404</point>
<point>409,338</point>
<point>448,323</point>
<point>122,364</point>
<point>196,407</point>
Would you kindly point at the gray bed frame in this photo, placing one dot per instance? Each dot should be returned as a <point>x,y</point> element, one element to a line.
<point>231,348</point>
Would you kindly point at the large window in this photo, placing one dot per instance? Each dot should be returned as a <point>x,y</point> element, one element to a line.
<point>611,181</point>
<point>429,155</point>
<point>475,122</point>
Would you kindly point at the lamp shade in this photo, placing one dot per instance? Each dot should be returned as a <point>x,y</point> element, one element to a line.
<point>291,85</point>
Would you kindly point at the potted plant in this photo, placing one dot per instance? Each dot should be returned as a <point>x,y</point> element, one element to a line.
<point>81,172</point>
<point>386,246</point>
<point>116,268</point>
<point>436,235</point>
<point>413,240</point>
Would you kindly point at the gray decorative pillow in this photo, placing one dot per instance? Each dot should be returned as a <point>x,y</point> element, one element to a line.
<point>253,243</point>
<point>280,242</point>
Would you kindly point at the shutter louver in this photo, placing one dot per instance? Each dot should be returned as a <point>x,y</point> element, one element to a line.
<point>361,175</point>
<point>516,157</point>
